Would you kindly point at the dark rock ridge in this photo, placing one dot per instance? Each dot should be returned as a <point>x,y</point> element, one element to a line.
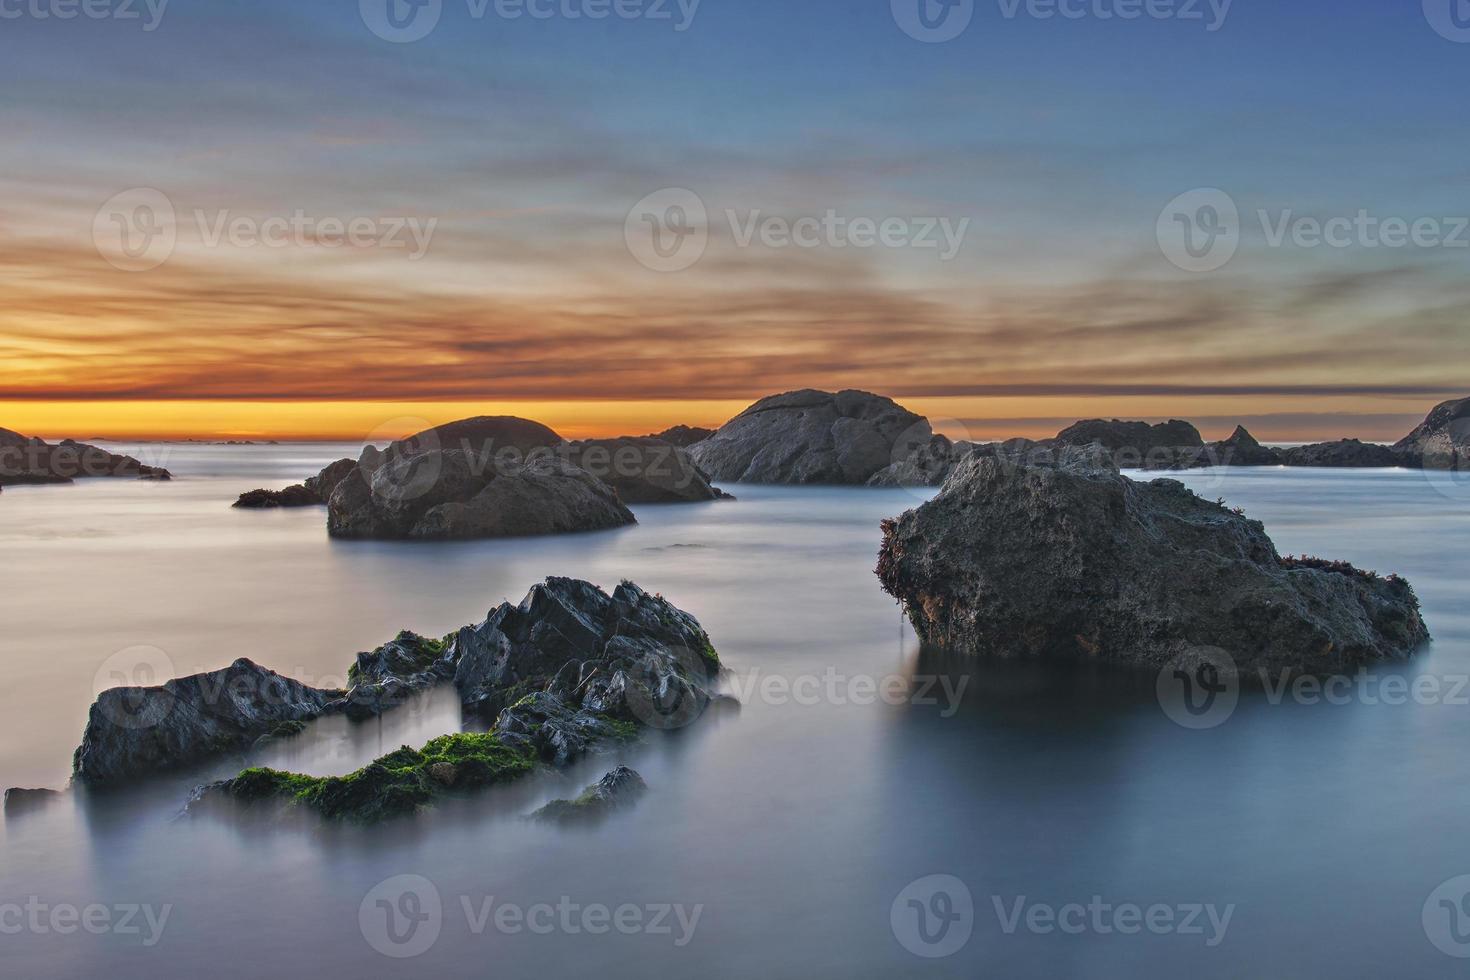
<point>132,731</point>
<point>617,790</point>
<point>1442,440</point>
<point>1074,559</point>
<point>644,470</point>
<point>811,437</point>
<point>296,495</point>
<point>19,802</point>
<point>25,460</point>
<point>567,668</point>
<point>1139,437</point>
<point>478,478</point>
<point>1242,449</point>
<point>683,435</point>
<point>1347,453</point>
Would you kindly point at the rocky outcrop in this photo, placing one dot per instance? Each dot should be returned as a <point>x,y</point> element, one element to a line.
<point>19,802</point>
<point>331,476</point>
<point>811,437</point>
<point>1074,559</point>
<point>643,470</point>
<point>568,667</point>
<point>133,731</point>
<point>1347,453</point>
<point>617,790</point>
<point>25,460</point>
<point>1442,440</point>
<point>1135,437</point>
<point>1241,449</point>
<point>926,465</point>
<point>683,435</point>
<point>479,478</point>
<point>293,496</point>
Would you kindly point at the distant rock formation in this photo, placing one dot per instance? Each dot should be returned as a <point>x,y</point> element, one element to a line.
<point>1074,559</point>
<point>617,790</point>
<point>24,460</point>
<point>1241,449</point>
<point>644,470</point>
<point>1346,453</point>
<point>811,437</point>
<point>293,496</point>
<point>1442,440</point>
<point>1139,437</point>
<point>683,435</point>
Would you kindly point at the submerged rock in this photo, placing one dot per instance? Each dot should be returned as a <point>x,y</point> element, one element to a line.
<point>617,790</point>
<point>22,801</point>
<point>644,471</point>
<point>1442,440</point>
<point>1074,559</point>
<point>25,460</point>
<point>811,437</point>
<point>293,496</point>
<point>134,731</point>
<point>1346,453</point>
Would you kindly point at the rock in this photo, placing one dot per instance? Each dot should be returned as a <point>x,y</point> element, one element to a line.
<point>387,676</point>
<point>132,731</point>
<point>480,478</point>
<point>1075,559</point>
<point>25,460</point>
<point>1139,438</point>
<point>1241,449</point>
<point>1442,440</point>
<point>293,496</point>
<point>683,435</point>
<point>927,465</point>
<point>1345,453</point>
<point>325,482</point>
<point>19,802</point>
<point>644,470</point>
<point>806,437</point>
<point>618,790</point>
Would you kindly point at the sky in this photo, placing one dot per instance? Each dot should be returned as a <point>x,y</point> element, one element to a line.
<point>304,220</point>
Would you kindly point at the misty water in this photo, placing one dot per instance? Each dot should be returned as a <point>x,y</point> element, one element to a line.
<point>788,827</point>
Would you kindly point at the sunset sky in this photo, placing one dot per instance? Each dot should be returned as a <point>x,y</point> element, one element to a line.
<point>528,142</point>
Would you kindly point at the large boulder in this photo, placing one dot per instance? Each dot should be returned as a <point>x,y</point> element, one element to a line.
<point>811,437</point>
<point>478,478</point>
<point>1074,559</point>
<point>1346,453</point>
<point>644,470</point>
<point>132,731</point>
<point>26,460</point>
<point>1442,440</point>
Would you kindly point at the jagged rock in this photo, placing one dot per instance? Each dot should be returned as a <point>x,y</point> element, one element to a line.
<point>683,435</point>
<point>644,470</point>
<point>1442,440</point>
<point>479,478</point>
<point>1241,449</point>
<point>811,437</point>
<point>926,465</point>
<point>1075,559</point>
<point>387,676</point>
<point>1346,453</point>
<point>327,481</point>
<point>132,731</point>
<point>293,496</point>
<point>25,460</point>
<point>617,790</point>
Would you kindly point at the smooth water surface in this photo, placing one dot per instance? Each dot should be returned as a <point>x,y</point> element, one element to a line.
<point>791,825</point>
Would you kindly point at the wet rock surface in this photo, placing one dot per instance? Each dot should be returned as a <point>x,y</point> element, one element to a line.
<point>1073,559</point>
<point>618,790</point>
